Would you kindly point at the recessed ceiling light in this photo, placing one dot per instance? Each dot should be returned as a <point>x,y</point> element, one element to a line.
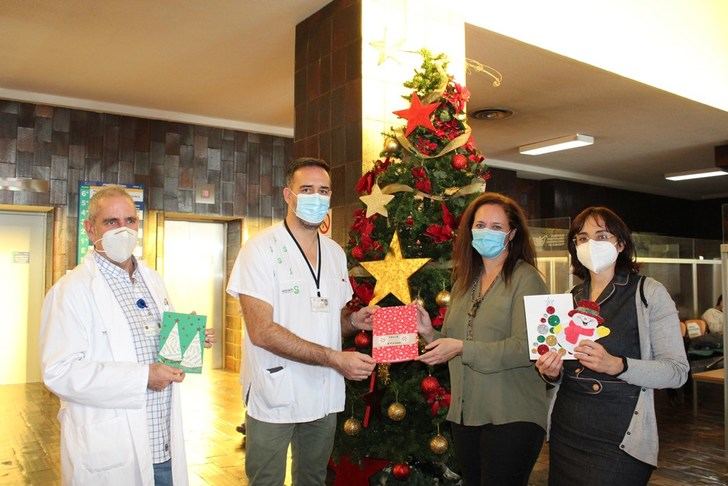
<point>491,114</point>
<point>694,174</point>
<point>556,144</point>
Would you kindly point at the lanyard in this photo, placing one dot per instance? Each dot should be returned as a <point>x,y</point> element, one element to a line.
<point>316,276</point>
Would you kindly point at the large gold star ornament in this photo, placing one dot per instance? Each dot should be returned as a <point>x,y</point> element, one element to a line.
<point>392,273</point>
<point>376,201</point>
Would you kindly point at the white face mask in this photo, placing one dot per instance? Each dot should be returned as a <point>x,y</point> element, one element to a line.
<point>597,255</point>
<point>119,244</point>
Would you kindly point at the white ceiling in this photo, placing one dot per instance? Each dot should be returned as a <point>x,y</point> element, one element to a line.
<point>641,132</point>
<point>230,62</point>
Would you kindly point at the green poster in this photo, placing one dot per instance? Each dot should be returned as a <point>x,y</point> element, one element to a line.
<point>181,341</point>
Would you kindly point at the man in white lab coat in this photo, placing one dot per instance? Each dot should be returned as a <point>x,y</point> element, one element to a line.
<point>120,413</point>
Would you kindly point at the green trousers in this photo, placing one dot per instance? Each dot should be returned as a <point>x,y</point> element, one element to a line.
<point>266,445</point>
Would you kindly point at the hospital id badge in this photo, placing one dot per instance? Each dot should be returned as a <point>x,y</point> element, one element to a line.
<point>151,328</point>
<point>319,304</point>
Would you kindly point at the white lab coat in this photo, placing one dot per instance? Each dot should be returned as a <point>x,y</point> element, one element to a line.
<point>88,359</point>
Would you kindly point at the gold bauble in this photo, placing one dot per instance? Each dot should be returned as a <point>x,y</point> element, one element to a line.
<point>419,301</point>
<point>352,426</point>
<point>396,411</point>
<point>443,298</point>
<point>383,373</point>
<point>391,145</point>
<point>439,444</point>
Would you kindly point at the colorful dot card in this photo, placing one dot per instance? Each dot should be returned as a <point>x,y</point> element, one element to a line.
<point>546,316</point>
<point>181,341</point>
<point>394,334</point>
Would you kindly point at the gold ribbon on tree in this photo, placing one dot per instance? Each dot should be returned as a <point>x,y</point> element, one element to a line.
<point>456,142</point>
<point>472,188</point>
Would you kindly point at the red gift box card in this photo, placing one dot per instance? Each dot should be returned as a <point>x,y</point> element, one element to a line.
<point>394,334</point>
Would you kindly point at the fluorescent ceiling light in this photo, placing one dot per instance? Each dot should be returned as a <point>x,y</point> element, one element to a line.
<point>556,144</point>
<point>694,174</point>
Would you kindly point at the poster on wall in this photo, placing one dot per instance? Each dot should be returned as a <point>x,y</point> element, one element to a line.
<point>86,190</point>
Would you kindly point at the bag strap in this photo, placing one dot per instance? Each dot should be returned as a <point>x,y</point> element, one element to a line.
<point>642,290</point>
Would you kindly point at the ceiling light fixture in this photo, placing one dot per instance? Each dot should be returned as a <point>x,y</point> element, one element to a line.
<point>694,174</point>
<point>491,114</point>
<point>556,144</point>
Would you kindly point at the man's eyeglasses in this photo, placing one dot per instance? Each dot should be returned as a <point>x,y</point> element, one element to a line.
<point>600,236</point>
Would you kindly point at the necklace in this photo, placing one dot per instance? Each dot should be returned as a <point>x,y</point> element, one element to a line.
<point>475,301</point>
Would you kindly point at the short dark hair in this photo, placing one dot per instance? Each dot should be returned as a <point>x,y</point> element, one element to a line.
<point>301,162</point>
<point>627,258</point>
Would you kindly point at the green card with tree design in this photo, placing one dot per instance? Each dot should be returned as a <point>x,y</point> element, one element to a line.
<point>181,341</point>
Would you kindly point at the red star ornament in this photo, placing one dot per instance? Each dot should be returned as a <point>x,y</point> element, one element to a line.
<point>417,114</point>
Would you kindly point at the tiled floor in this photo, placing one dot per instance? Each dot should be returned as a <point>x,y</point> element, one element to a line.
<point>691,448</point>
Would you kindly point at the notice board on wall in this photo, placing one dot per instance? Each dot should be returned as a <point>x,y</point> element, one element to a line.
<point>86,189</point>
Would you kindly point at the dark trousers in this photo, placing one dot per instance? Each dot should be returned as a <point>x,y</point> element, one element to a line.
<point>500,455</point>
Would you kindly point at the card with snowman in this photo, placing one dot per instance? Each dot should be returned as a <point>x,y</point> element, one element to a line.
<point>554,324</point>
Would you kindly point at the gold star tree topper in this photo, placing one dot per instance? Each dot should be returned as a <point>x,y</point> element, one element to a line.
<point>376,201</point>
<point>393,272</point>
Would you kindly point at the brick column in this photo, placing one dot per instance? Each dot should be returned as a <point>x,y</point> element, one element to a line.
<point>352,58</point>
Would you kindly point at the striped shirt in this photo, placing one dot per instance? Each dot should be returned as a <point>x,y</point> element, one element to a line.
<point>141,313</point>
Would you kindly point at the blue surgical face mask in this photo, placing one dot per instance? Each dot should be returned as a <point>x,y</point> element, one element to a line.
<point>488,243</point>
<point>312,208</point>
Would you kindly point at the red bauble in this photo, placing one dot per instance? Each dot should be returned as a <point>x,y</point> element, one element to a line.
<point>459,162</point>
<point>357,253</point>
<point>401,470</point>
<point>435,407</point>
<point>362,339</point>
<point>445,401</point>
<point>429,385</point>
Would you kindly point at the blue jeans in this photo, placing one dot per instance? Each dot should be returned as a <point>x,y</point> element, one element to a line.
<point>163,473</point>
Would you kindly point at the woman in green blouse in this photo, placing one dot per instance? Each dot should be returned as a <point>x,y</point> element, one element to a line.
<point>499,404</point>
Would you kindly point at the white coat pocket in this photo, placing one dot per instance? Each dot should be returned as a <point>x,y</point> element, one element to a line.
<point>274,387</point>
<point>106,444</point>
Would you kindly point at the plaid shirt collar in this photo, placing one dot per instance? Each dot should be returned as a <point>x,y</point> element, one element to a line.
<point>110,270</point>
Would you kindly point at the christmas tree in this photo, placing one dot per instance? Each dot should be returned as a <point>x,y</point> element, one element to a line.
<point>400,250</point>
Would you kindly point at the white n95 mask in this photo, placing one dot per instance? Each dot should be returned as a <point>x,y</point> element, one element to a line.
<point>119,244</point>
<point>597,255</point>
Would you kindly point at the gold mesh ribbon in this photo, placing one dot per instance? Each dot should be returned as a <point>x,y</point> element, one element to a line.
<point>456,142</point>
<point>472,188</point>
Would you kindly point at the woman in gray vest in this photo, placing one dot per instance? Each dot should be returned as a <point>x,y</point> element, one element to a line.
<point>603,427</point>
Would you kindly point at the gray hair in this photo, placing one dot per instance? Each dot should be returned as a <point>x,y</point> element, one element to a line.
<point>105,193</point>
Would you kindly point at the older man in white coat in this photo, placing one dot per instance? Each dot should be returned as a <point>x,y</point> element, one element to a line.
<point>120,414</point>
